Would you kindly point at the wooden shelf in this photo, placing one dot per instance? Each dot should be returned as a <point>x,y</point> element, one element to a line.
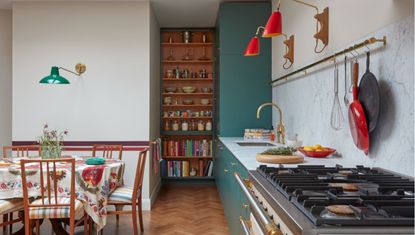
<point>186,132</point>
<point>185,157</point>
<point>187,106</point>
<point>205,94</point>
<point>188,178</point>
<point>187,61</point>
<point>187,44</point>
<point>187,79</point>
<point>187,117</point>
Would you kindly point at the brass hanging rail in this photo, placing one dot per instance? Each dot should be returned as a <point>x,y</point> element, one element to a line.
<point>347,50</point>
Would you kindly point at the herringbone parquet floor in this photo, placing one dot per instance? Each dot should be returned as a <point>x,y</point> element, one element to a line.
<point>181,209</point>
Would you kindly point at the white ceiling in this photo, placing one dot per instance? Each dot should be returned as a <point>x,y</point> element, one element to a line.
<point>169,13</point>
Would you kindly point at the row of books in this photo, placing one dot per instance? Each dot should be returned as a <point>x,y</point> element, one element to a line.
<point>182,169</point>
<point>187,147</point>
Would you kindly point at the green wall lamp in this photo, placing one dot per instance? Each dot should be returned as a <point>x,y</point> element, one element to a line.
<point>55,78</point>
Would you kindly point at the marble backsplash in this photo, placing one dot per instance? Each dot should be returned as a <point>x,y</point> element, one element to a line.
<point>307,102</point>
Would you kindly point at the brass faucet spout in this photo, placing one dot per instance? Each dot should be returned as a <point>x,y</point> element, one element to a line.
<point>280,126</point>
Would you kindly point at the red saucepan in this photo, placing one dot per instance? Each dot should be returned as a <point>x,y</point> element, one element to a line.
<point>357,118</point>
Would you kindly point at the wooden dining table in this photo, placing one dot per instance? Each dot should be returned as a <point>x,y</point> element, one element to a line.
<point>93,183</point>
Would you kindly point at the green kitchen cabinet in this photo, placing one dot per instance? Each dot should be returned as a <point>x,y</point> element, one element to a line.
<point>242,82</point>
<point>233,200</point>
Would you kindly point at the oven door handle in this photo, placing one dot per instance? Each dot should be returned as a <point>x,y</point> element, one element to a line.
<point>270,227</point>
<point>246,225</point>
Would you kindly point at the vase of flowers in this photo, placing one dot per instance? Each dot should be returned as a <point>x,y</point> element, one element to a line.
<point>51,143</point>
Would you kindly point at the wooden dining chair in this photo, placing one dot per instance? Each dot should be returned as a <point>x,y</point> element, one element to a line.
<point>50,204</point>
<point>21,151</point>
<point>7,209</point>
<point>107,150</point>
<point>130,196</point>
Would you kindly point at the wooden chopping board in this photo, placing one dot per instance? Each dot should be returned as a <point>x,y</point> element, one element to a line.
<point>279,159</point>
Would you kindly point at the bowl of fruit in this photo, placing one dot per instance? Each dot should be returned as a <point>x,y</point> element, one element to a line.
<point>316,151</point>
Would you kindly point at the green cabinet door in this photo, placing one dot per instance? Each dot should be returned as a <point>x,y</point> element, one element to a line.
<point>243,82</point>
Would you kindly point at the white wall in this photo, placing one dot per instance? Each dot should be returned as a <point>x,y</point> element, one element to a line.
<point>5,77</point>
<point>349,20</point>
<point>155,180</point>
<point>111,101</point>
<point>307,102</point>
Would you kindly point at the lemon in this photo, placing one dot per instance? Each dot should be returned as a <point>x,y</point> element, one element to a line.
<point>308,148</point>
<point>317,146</point>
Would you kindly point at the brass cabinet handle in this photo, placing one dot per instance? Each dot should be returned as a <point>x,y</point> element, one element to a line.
<point>245,206</point>
<point>246,225</point>
<point>233,164</point>
<point>270,227</point>
<point>225,170</point>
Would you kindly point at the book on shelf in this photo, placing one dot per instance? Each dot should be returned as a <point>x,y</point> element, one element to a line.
<point>182,168</point>
<point>187,148</point>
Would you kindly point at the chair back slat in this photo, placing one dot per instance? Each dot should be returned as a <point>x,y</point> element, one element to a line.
<point>21,151</point>
<point>107,150</point>
<point>139,174</point>
<point>50,198</point>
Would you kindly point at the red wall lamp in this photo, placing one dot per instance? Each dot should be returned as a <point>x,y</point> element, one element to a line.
<point>253,47</point>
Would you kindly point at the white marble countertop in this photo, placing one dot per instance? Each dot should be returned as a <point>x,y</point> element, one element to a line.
<point>247,155</point>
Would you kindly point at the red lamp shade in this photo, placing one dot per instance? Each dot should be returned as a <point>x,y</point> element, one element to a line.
<point>253,47</point>
<point>274,25</point>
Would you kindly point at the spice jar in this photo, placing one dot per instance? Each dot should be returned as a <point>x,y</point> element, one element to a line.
<point>175,126</point>
<point>208,125</point>
<point>167,125</point>
<point>185,126</point>
<point>200,126</point>
<point>192,125</point>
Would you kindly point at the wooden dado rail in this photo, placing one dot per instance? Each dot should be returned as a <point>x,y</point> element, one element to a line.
<point>87,145</point>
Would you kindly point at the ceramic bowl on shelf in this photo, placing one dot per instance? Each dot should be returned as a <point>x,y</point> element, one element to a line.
<point>322,153</point>
<point>187,101</point>
<point>189,89</point>
<point>204,101</point>
<point>170,89</point>
<point>206,89</point>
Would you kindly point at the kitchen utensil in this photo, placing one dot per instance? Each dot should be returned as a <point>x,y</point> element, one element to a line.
<point>369,96</point>
<point>206,89</point>
<point>188,89</point>
<point>170,57</point>
<point>357,118</point>
<point>279,159</point>
<point>171,89</point>
<point>336,119</point>
<point>204,101</point>
<point>345,99</point>
<point>317,154</point>
<point>187,36</point>
<point>187,101</point>
<point>204,57</point>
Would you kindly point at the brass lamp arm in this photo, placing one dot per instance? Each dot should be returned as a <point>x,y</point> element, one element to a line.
<point>257,30</point>
<point>307,4</point>
<point>79,68</point>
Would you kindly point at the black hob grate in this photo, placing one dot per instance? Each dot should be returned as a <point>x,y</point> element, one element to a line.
<point>374,196</point>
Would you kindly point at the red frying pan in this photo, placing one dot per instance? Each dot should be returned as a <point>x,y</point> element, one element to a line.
<point>357,118</point>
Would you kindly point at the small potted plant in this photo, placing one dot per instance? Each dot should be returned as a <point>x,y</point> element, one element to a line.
<point>51,142</point>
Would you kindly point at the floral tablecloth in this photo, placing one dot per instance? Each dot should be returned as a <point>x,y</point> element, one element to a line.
<point>93,183</point>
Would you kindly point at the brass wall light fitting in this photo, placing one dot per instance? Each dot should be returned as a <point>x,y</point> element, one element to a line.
<point>253,48</point>
<point>322,20</point>
<point>55,78</point>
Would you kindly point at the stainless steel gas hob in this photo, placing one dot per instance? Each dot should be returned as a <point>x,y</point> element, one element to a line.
<point>328,200</point>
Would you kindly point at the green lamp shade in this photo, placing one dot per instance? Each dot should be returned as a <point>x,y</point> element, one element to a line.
<point>54,77</point>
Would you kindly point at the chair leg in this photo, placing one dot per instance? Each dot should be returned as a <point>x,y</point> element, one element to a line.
<point>86,224</point>
<point>5,220</point>
<point>37,227</point>
<point>134,217</point>
<point>118,208</point>
<point>140,216</point>
<point>11,225</point>
<point>72,226</point>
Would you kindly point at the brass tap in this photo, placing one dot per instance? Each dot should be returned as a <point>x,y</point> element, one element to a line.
<point>280,126</point>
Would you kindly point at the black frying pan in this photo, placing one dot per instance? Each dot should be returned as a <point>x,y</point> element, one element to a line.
<point>369,96</point>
